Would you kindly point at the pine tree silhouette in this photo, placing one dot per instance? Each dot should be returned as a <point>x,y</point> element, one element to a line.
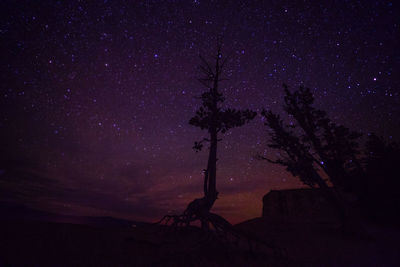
<point>216,121</point>
<point>314,147</point>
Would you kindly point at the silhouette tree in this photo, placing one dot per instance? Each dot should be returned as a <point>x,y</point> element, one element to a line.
<point>314,147</point>
<point>216,120</point>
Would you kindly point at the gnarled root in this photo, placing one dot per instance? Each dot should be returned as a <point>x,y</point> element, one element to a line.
<point>224,232</point>
<point>196,210</point>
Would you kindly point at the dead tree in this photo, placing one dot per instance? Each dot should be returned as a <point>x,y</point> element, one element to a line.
<point>216,120</point>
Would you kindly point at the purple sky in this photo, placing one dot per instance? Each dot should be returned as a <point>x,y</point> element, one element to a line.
<point>96,96</point>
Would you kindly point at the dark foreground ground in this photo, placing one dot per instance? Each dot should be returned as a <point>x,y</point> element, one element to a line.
<point>24,243</point>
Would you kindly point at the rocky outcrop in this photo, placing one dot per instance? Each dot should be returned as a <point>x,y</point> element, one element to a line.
<point>298,205</point>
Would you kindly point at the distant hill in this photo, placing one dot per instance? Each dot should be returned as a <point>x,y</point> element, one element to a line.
<point>18,212</point>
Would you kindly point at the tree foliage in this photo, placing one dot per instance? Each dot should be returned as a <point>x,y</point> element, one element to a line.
<point>313,143</point>
<point>210,116</point>
<point>322,153</point>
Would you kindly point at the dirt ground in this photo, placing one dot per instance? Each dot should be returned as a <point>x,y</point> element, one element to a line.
<point>304,244</point>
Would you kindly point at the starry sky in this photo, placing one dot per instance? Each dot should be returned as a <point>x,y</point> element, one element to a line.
<point>96,96</point>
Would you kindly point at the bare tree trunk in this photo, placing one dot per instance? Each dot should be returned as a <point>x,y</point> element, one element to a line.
<point>211,193</point>
<point>210,189</point>
<point>205,185</point>
<point>212,170</point>
<point>212,158</point>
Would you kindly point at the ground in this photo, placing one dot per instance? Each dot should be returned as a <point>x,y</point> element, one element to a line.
<point>25,243</point>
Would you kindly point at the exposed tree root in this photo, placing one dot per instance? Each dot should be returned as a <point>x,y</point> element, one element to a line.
<point>221,231</point>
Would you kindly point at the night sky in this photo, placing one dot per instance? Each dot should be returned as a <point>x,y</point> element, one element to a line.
<point>96,96</point>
